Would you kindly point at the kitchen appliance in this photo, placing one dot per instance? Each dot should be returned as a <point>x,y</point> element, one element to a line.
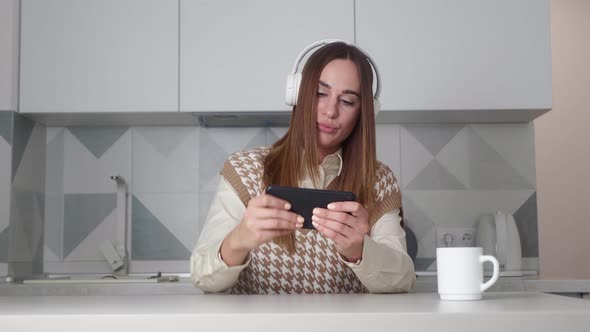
<point>498,235</point>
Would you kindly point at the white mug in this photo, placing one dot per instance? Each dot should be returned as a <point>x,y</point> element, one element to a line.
<point>460,273</point>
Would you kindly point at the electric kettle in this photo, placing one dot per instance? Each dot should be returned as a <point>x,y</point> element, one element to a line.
<point>498,235</point>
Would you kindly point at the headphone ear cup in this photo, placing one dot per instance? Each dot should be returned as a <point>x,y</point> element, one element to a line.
<point>376,106</point>
<point>289,92</point>
<point>296,90</point>
<point>292,92</point>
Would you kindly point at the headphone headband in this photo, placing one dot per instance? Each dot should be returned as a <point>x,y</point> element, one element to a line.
<point>324,42</point>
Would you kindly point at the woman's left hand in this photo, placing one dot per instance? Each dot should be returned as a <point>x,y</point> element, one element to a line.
<point>346,223</point>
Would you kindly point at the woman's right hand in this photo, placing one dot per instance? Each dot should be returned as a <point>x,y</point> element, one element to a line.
<point>266,218</point>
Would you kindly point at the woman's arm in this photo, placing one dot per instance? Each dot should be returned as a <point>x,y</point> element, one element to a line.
<point>231,231</point>
<point>208,271</point>
<point>378,256</point>
<point>386,266</point>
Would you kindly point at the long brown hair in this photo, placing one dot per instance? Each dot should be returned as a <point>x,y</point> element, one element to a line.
<point>296,151</point>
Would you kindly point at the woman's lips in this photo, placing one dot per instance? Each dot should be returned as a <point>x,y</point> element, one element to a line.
<point>325,128</point>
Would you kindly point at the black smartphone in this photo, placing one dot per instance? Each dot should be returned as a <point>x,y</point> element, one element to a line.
<point>304,200</point>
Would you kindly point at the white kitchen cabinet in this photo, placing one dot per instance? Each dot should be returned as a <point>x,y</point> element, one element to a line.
<point>8,54</point>
<point>99,56</point>
<point>235,55</point>
<point>443,56</point>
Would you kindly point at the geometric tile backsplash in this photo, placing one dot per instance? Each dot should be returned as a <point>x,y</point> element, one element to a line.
<point>5,185</point>
<point>22,195</point>
<point>453,174</point>
<point>450,175</point>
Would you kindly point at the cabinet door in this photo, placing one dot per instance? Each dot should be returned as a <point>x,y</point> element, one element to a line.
<point>8,54</point>
<point>235,55</point>
<point>459,54</point>
<point>99,56</point>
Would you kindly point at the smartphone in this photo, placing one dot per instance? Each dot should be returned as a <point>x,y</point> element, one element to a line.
<point>304,200</point>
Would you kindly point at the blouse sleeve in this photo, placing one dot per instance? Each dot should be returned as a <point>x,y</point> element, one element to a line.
<point>208,271</point>
<point>386,266</point>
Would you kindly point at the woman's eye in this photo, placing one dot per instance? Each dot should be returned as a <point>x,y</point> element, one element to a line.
<point>321,94</point>
<point>347,102</point>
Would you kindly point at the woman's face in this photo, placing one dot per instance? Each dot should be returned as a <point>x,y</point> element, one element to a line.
<point>339,104</point>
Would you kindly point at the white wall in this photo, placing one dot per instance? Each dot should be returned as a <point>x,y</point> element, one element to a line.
<point>562,148</point>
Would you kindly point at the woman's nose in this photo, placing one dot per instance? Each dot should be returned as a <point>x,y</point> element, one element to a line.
<point>332,108</point>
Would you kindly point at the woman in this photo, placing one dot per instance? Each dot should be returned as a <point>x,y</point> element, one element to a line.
<point>251,242</point>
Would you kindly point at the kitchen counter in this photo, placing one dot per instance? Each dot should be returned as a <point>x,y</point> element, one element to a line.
<point>424,284</point>
<point>508,311</point>
<point>574,287</point>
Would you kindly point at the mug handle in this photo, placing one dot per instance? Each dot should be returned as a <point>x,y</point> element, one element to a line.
<point>494,261</point>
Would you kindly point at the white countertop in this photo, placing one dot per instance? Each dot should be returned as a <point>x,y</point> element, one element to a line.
<point>505,311</point>
<point>424,284</point>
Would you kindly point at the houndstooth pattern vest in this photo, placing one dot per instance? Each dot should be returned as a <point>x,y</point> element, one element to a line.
<point>315,266</point>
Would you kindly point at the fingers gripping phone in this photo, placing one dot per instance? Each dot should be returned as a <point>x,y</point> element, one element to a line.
<point>304,200</point>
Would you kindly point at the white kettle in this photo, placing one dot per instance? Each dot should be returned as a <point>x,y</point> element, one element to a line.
<point>498,235</point>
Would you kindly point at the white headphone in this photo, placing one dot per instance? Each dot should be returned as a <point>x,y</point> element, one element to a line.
<point>294,79</point>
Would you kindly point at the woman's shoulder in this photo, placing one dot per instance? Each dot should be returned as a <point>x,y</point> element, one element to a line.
<point>386,179</point>
<point>256,154</point>
<point>383,169</point>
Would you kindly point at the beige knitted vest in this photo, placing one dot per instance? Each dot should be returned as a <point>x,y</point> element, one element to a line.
<point>315,266</point>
